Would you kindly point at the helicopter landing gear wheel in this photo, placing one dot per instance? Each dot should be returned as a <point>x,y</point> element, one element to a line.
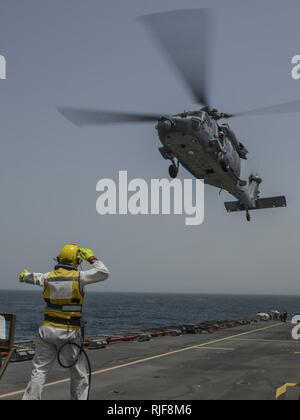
<point>174,169</point>
<point>248,217</point>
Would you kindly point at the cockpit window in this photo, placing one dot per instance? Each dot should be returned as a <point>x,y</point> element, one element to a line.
<point>212,125</point>
<point>202,116</point>
<point>196,123</point>
<point>210,122</point>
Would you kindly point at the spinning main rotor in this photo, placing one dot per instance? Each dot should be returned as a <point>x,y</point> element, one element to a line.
<point>185,37</point>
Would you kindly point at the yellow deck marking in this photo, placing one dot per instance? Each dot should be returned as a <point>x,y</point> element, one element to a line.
<point>283,390</point>
<point>147,359</point>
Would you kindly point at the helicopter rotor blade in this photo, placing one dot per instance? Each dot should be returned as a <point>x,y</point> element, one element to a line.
<point>185,35</point>
<point>286,108</point>
<point>81,117</point>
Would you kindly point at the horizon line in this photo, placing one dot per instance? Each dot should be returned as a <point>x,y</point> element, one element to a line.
<point>170,293</point>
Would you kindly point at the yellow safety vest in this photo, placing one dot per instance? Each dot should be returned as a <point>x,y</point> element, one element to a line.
<point>64,298</point>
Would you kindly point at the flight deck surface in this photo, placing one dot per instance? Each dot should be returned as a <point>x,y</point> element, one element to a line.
<point>242,363</point>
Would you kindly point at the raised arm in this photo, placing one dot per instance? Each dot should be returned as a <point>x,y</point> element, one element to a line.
<point>36,279</point>
<point>98,273</point>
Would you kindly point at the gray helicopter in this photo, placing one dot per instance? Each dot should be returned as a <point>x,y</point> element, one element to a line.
<point>199,140</point>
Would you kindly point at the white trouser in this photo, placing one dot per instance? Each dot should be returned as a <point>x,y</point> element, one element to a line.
<point>47,346</point>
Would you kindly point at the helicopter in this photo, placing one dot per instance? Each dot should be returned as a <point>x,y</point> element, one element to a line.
<point>201,141</point>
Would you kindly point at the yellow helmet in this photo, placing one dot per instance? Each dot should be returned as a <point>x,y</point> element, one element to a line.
<point>69,254</point>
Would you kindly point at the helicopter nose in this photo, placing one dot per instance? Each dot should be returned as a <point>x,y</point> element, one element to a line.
<point>165,125</point>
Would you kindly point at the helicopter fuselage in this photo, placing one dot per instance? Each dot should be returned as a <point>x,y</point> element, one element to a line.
<point>196,140</point>
<point>205,150</point>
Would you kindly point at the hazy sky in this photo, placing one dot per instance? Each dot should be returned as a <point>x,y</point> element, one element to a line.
<point>93,53</point>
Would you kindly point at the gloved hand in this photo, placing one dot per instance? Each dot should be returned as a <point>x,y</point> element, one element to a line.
<point>23,274</point>
<point>87,254</point>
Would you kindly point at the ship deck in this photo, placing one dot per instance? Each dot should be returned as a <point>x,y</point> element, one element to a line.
<point>242,363</point>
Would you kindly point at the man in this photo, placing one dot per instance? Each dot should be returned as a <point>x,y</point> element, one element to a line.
<point>285,316</point>
<point>64,296</point>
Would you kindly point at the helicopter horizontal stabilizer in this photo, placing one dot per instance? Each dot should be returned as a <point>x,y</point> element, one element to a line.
<point>261,203</point>
<point>234,206</point>
<point>271,203</point>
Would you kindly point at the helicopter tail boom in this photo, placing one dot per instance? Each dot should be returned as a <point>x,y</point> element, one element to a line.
<point>254,202</point>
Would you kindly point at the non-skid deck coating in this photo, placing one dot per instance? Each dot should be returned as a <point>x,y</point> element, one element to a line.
<point>242,363</point>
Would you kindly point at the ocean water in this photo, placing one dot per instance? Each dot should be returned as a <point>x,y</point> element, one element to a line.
<point>109,313</point>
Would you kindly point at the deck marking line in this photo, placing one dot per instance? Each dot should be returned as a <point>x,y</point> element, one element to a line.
<point>283,390</point>
<point>147,359</point>
<point>216,348</point>
<point>267,341</point>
